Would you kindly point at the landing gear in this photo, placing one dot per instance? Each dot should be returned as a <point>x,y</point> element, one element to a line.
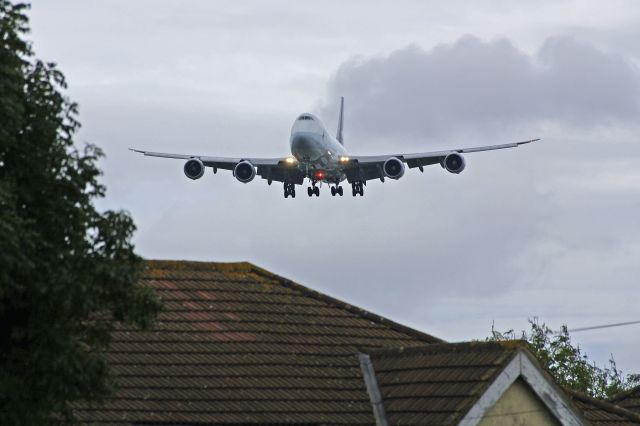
<point>289,189</point>
<point>313,190</point>
<point>336,190</point>
<point>357,188</point>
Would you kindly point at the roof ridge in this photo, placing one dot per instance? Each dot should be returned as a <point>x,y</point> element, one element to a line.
<point>285,282</point>
<point>173,264</point>
<point>444,347</point>
<point>624,394</point>
<point>605,405</point>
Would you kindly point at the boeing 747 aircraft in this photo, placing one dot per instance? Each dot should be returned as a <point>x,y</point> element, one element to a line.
<point>320,157</point>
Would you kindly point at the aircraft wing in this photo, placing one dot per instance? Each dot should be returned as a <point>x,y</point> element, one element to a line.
<point>271,169</point>
<point>367,167</point>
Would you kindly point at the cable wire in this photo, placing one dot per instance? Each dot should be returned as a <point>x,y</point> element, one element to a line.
<point>596,327</point>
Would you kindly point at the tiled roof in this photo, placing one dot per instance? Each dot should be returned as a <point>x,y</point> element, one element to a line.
<point>238,344</point>
<point>601,413</point>
<point>437,384</point>
<point>629,399</point>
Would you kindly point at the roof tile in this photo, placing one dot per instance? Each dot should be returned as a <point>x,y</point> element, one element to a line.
<point>601,413</point>
<point>235,343</point>
<point>629,399</point>
<point>442,380</point>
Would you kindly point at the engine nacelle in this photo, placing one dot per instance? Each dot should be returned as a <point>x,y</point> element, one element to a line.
<point>393,168</point>
<point>454,163</point>
<point>194,169</point>
<point>244,171</point>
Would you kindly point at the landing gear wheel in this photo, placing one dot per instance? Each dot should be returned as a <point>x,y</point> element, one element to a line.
<point>339,191</point>
<point>310,191</point>
<point>289,189</point>
<point>333,191</point>
<point>357,189</point>
<point>316,191</point>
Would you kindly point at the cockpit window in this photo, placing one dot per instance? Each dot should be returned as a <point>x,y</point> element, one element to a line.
<point>305,117</point>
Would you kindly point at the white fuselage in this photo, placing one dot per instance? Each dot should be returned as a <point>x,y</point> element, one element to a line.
<point>317,152</point>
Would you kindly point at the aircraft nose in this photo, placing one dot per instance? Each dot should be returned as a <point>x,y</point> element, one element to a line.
<point>302,142</point>
<point>303,146</point>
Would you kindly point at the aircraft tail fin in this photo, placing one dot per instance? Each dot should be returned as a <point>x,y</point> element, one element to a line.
<point>340,121</point>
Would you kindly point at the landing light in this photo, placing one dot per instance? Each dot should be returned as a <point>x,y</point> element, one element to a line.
<point>344,159</point>
<point>290,160</point>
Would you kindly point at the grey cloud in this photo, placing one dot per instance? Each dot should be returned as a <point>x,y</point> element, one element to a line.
<point>521,232</point>
<point>541,230</point>
<point>475,84</point>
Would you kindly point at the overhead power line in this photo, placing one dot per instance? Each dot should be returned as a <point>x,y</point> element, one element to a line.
<point>596,327</point>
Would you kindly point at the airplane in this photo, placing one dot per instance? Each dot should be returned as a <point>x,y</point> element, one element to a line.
<point>320,157</point>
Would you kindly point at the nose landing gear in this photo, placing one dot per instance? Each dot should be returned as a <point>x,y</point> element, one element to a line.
<point>357,188</point>
<point>289,189</point>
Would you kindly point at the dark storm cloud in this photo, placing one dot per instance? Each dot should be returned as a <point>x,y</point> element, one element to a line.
<point>472,83</point>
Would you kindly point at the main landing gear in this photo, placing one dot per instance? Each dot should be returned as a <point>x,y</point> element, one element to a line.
<point>357,188</point>
<point>313,190</point>
<point>289,189</point>
<point>336,190</point>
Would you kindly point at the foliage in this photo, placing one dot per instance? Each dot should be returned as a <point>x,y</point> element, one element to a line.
<point>68,272</point>
<point>569,366</point>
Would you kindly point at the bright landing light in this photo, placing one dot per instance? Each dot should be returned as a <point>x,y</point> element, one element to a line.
<point>344,159</point>
<point>290,160</point>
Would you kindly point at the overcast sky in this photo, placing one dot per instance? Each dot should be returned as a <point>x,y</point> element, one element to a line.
<point>551,229</point>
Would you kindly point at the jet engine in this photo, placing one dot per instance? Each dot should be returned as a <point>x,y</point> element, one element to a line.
<point>393,168</point>
<point>194,169</point>
<point>454,163</point>
<point>244,171</point>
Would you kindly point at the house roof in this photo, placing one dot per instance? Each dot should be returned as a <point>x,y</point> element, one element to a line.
<point>438,384</point>
<point>236,343</point>
<point>457,383</point>
<point>602,413</point>
<point>629,399</point>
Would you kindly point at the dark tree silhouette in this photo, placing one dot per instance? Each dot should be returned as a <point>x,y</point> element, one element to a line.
<point>68,272</point>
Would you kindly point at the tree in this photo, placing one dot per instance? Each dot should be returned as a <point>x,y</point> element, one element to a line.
<point>568,365</point>
<point>68,272</point>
